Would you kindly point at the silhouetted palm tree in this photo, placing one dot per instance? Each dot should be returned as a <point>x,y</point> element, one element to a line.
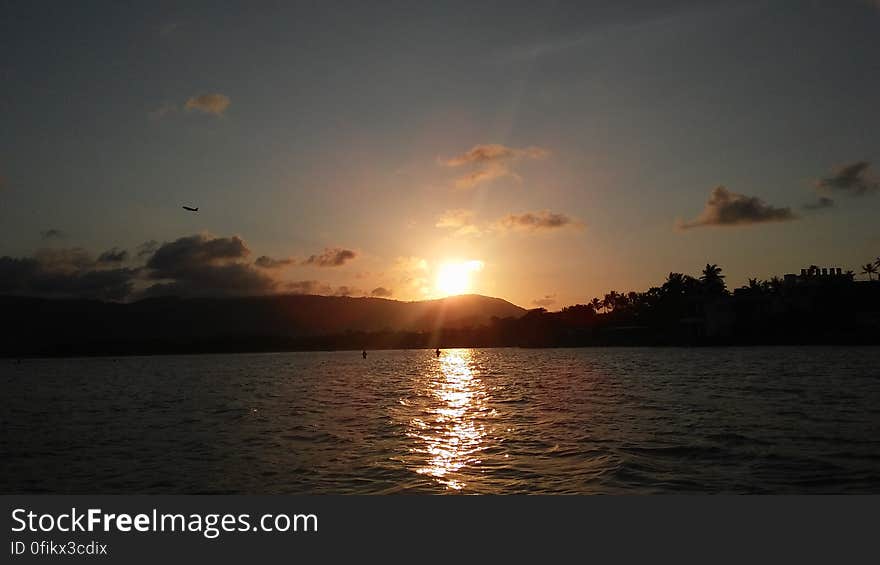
<point>596,304</point>
<point>713,280</point>
<point>611,299</point>
<point>869,269</point>
<point>676,284</point>
<point>877,262</point>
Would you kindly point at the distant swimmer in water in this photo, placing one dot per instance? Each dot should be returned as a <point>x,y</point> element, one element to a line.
<point>364,353</point>
<point>437,352</point>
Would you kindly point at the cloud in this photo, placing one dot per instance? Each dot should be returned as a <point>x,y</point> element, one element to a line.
<point>493,152</point>
<point>215,104</point>
<point>163,111</point>
<point>334,257</point>
<point>195,265</point>
<point>206,265</point>
<point>531,221</point>
<point>821,203</point>
<point>113,256</point>
<point>411,274</point>
<point>66,260</point>
<point>460,221</point>
<point>547,300</point>
<point>381,292</point>
<point>490,161</point>
<point>852,178</point>
<point>64,273</point>
<point>308,287</point>
<point>346,291</point>
<point>147,248</point>
<point>726,208</point>
<point>52,234</point>
<point>492,172</point>
<point>266,262</point>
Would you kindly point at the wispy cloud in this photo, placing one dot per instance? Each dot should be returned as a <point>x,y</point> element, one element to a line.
<point>308,287</point>
<point>532,221</point>
<point>381,292</point>
<point>266,262</point>
<point>163,110</point>
<point>546,301</point>
<point>821,203</point>
<point>490,161</point>
<point>320,288</point>
<point>460,221</point>
<point>113,256</point>
<point>726,208</point>
<point>147,248</point>
<point>411,274</point>
<point>52,234</point>
<point>334,257</point>
<point>214,103</point>
<point>855,179</point>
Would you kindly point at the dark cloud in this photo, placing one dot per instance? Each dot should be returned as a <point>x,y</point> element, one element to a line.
<point>181,254</point>
<point>381,292</point>
<point>331,257</point>
<point>346,291</point>
<point>64,273</point>
<point>547,300</point>
<point>726,208</point>
<point>308,287</point>
<point>51,234</point>
<point>319,288</point>
<point>206,265</point>
<point>196,265</point>
<point>65,260</point>
<point>821,203</point>
<point>147,248</point>
<point>543,220</point>
<point>113,256</point>
<point>266,262</point>
<point>852,178</point>
<point>214,103</point>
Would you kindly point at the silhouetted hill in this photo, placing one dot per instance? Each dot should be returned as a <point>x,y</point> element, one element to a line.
<point>37,326</point>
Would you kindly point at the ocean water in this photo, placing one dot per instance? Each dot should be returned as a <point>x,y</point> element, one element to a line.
<point>493,421</point>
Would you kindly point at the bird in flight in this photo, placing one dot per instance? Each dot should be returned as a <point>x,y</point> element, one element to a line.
<point>190,209</point>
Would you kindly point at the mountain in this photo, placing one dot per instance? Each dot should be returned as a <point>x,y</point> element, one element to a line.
<point>38,326</point>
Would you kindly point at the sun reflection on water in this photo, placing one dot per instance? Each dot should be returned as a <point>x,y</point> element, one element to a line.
<point>451,434</point>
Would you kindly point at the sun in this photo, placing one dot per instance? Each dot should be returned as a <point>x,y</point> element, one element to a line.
<point>455,277</point>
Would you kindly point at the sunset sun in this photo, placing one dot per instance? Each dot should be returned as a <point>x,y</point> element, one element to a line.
<point>455,277</point>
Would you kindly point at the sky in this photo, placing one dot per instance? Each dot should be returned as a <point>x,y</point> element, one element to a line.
<point>540,152</point>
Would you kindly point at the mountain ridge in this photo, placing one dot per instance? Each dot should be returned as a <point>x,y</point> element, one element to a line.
<point>43,325</point>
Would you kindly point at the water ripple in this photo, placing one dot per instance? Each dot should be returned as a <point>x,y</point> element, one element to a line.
<point>746,420</point>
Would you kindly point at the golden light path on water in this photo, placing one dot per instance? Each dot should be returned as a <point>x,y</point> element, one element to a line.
<point>453,437</point>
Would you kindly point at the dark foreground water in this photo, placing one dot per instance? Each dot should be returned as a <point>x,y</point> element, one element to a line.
<point>745,420</point>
